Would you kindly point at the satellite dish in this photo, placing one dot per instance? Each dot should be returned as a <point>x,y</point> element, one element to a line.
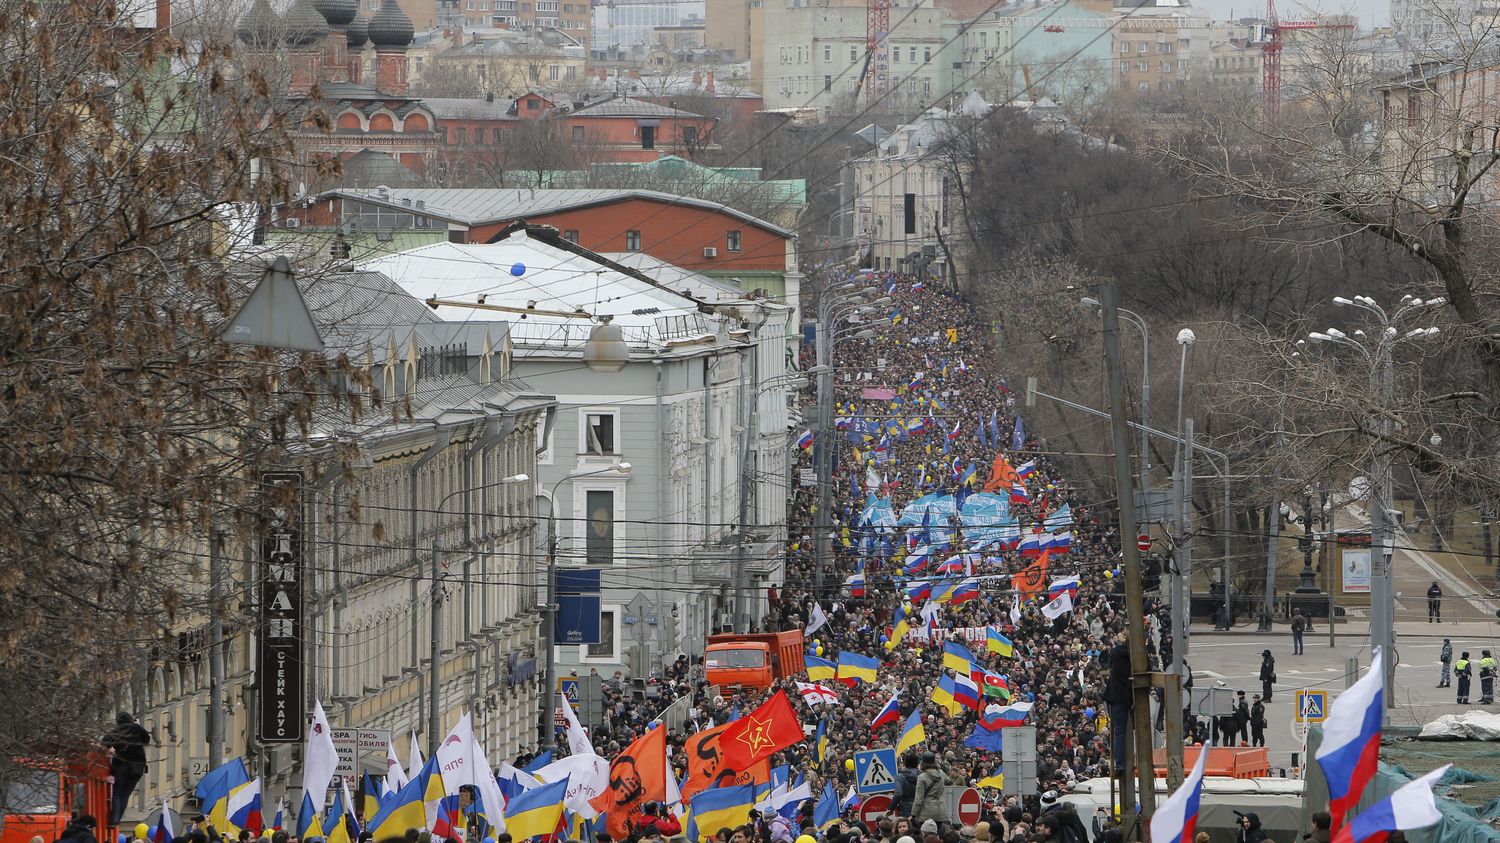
<point>1359,488</point>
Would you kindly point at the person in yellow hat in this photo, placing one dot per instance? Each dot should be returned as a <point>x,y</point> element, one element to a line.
<point>141,831</point>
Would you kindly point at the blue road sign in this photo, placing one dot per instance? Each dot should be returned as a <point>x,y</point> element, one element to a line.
<point>875,770</point>
<point>1312,706</point>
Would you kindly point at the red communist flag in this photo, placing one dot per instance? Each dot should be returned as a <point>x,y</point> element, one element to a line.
<point>756,736</point>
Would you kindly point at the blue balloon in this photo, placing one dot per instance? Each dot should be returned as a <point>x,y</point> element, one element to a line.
<point>518,269</point>
<point>1089,712</point>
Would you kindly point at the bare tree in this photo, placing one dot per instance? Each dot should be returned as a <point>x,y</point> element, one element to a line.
<point>126,158</point>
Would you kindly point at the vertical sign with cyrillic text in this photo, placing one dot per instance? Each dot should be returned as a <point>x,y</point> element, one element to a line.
<point>278,643</point>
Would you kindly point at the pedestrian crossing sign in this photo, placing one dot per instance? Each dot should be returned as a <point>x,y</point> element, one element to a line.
<point>1312,706</point>
<point>875,771</point>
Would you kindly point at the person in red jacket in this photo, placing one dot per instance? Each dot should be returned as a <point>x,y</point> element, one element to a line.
<point>654,819</point>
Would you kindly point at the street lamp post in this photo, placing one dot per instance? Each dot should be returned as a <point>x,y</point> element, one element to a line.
<point>828,305</point>
<point>1382,378</point>
<point>549,633</point>
<point>434,696</point>
<point>1182,465</point>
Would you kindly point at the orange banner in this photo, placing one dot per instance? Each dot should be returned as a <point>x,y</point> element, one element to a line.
<point>1032,579</point>
<point>636,776</point>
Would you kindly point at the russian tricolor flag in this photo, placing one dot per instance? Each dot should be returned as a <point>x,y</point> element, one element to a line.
<point>1412,806</point>
<point>1026,469</point>
<point>805,441</point>
<point>1176,818</point>
<point>1068,584</point>
<point>965,591</point>
<point>966,691</point>
<point>856,585</point>
<point>1018,493</point>
<point>918,591</point>
<point>1351,741</point>
<point>889,713</point>
<point>954,434</point>
<point>1031,545</point>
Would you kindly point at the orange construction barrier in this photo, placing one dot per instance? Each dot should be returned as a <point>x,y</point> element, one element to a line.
<point>1226,761</point>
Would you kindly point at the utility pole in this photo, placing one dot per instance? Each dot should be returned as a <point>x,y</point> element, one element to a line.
<point>751,435</point>
<point>1134,604</point>
<point>1268,607</point>
<point>823,442</point>
<point>546,736</point>
<point>434,687</point>
<point>215,651</point>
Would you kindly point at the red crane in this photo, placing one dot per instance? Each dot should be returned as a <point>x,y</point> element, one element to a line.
<point>1272,48</point>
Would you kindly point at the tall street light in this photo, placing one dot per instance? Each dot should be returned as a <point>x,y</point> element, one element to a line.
<point>1182,466</point>
<point>434,697</point>
<point>1093,304</point>
<point>548,693</point>
<point>1376,352</point>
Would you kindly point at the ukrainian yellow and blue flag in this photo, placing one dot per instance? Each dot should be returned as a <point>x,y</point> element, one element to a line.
<point>820,741</point>
<point>537,812</point>
<point>912,733</point>
<point>719,807</point>
<point>857,667</point>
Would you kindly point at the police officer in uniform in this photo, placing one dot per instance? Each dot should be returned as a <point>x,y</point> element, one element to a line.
<point>1434,603</point>
<point>1487,668</point>
<point>1446,657</point>
<point>1462,670</point>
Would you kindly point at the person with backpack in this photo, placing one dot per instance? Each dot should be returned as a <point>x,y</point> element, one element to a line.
<point>928,803</point>
<point>906,785</point>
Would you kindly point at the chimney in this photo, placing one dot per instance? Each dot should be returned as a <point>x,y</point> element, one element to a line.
<point>709,85</point>
<point>697,80</point>
<point>164,16</point>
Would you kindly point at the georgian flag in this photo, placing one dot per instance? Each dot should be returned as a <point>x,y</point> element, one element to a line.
<point>817,694</point>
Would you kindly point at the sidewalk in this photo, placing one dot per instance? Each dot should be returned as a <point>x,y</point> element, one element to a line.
<point>1359,628</point>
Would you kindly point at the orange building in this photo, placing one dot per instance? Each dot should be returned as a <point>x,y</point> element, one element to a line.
<point>694,234</point>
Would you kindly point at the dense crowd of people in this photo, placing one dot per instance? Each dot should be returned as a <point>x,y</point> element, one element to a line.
<point>1061,666</point>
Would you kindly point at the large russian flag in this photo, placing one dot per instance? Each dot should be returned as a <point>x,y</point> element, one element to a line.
<point>1412,806</point>
<point>1351,741</point>
<point>889,713</point>
<point>1175,819</point>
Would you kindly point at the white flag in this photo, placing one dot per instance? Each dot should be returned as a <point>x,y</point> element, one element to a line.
<point>588,777</point>
<point>1015,609</point>
<point>578,739</point>
<point>816,621</point>
<point>491,800</point>
<point>413,759</point>
<point>1060,605</point>
<point>395,777</point>
<point>321,758</point>
<point>455,757</point>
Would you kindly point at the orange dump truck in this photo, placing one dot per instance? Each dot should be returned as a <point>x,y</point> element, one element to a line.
<point>40,799</point>
<point>752,660</point>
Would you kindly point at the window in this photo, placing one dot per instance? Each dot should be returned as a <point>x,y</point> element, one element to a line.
<point>1164,47</point>
<point>1143,65</point>
<point>1124,48</point>
<point>632,241</point>
<point>554,72</point>
<point>461,135</point>
<point>689,136</point>
<point>732,240</point>
<point>605,649</point>
<point>827,82</point>
<point>827,52</point>
<point>648,137</point>
<point>1143,47</point>
<point>909,211</point>
<point>599,541</point>
<point>533,105</point>
<point>853,54</point>
<point>578,134</point>
<point>570,235</point>
<point>1166,67</point>
<point>572,72</point>
<point>926,54</point>
<point>599,433</point>
<point>1144,86</point>
<point>1124,67</point>
<point>1166,85</point>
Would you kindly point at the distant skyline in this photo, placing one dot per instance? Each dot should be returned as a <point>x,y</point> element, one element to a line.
<point>1371,13</point>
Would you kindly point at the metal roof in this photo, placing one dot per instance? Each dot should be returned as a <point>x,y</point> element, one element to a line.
<point>477,206</point>
<point>468,108</point>
<point>627,107</point>
<point>526,272</point>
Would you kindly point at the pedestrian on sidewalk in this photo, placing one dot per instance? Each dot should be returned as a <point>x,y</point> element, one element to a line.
<point>1299,626</point>
<point>1267,673</point>
<point>1434,603</point>
<point>1463,670</point>
<point>1258,723</point>
<point>1446,658</point>
<point>1487,668</point>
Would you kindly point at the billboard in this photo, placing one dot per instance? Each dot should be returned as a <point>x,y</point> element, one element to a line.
<point>278,625</point>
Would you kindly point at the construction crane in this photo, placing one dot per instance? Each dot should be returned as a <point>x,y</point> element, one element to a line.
<point>1272,48</point>
<point>877,51</point>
